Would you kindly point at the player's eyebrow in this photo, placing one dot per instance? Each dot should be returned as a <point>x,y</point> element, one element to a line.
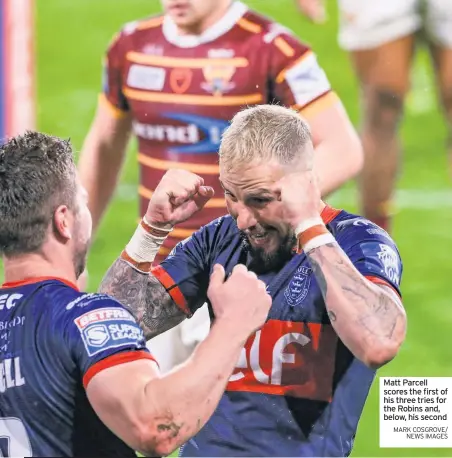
<point>260,192</point>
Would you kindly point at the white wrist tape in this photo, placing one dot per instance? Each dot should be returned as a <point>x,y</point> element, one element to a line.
<point>318,241</point>
<point>144,244</point>
<point>307,224</point>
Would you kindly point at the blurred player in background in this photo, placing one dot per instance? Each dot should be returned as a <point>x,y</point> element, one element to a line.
<point>176,80</point>
<point>74,368</point>
<point>302,380</point>
<point>381,38</point>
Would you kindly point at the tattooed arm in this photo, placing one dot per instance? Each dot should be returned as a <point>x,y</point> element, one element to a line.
<point>144,296</point>
<point>369,318</point>
<point>156,413</point>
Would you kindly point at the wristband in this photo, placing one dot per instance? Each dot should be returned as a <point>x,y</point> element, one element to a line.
<point>144,245</point>
<point>311,234</point>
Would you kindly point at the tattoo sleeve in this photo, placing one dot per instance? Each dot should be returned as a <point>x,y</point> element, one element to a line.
<point>144,296</point>
<point>368,318</point>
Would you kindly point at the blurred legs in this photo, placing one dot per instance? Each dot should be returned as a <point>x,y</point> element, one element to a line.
<point>384,81</point>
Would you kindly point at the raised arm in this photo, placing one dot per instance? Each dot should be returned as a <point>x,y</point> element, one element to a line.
<point>301,83</point>
<point>144,296</point>
<point>102,156</point>
<point>367,316</point>
<point>105,146</point>
<point>131,280</point>
<point>156,414</point>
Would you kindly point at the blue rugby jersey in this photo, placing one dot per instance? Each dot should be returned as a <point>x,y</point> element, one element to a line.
<point>53,340</point>
<point>296,390</point>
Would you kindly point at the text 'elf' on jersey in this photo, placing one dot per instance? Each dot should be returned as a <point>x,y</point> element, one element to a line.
<point>296,390</point>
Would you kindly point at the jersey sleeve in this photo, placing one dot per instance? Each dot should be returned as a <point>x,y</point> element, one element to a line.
<point>186,270</point>
<point>101,333</point>
<point>112,94</point>
<point>373,252</point>
<point>298,80</point>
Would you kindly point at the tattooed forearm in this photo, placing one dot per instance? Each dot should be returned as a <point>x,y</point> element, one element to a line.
<point>366,317</point>
<point>144,296</point>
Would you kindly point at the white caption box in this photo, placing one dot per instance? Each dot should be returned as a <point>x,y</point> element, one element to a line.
<point>416,412</point>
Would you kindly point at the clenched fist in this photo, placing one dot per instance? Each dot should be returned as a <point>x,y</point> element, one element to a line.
<point>300,197</point>
<point>178,196</point>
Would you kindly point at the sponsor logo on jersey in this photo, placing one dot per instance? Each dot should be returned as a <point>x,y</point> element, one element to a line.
<point>9,324</point>
<point>146,77</point>
<point>97,335</point>
<point>180,79</point>
<point>153,50</point>
<point>390,261</point>
<point>307,80</point>
<point>108,328</point>
<point>386,260</point>
<point>197,135</point>
<point>8,301</point>
<point>101,315</point>
<point>298,288</point>
<point>220,53</point>
<point>289,359</point>
<point>373,229</point>
<point>86,299</point>
<point>218,78</point>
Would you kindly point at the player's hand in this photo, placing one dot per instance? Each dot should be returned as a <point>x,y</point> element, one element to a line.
<point>299,194</point>
<point>313,10</point>
<point>178,196</point>
<point>242,300</point>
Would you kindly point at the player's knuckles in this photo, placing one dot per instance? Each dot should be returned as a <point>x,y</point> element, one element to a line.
<point>190,179</point>
<point>239,269</point>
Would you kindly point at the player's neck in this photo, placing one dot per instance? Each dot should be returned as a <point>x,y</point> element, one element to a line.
<point>207,22</point>
<point>29,266</point>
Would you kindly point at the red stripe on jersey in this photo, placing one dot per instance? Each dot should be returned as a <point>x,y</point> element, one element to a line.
<point>288,359</point>
<point>29,281</point>
<point>380,281</point>
<point>170,285</point>
<point>115,360</point>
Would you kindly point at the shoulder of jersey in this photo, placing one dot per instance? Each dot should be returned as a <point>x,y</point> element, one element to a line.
<point>270,32</point>
<point>220,230</point>
<point>223,225</point>
<point>87,301</point>
<point>348,224</point>
<point>152,24</point>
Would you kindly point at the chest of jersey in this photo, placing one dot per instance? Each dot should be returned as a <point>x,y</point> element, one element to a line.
<point>183,99</point>
<point>294,353</point>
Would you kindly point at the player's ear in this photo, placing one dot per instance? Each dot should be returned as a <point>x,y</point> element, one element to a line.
<point>62,222</point>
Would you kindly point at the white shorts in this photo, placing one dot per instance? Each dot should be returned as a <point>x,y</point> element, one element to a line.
<point>367,24</point>
<point>175,346</point>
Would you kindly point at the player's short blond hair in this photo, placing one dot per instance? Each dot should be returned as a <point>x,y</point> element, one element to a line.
<point>265,133</point>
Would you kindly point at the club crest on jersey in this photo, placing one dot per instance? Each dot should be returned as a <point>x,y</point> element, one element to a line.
<point>298,288</point>
<point>218,78</point>
<point>180,80</point>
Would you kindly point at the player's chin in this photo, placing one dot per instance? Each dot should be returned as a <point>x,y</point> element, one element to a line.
<point>184,21</point>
